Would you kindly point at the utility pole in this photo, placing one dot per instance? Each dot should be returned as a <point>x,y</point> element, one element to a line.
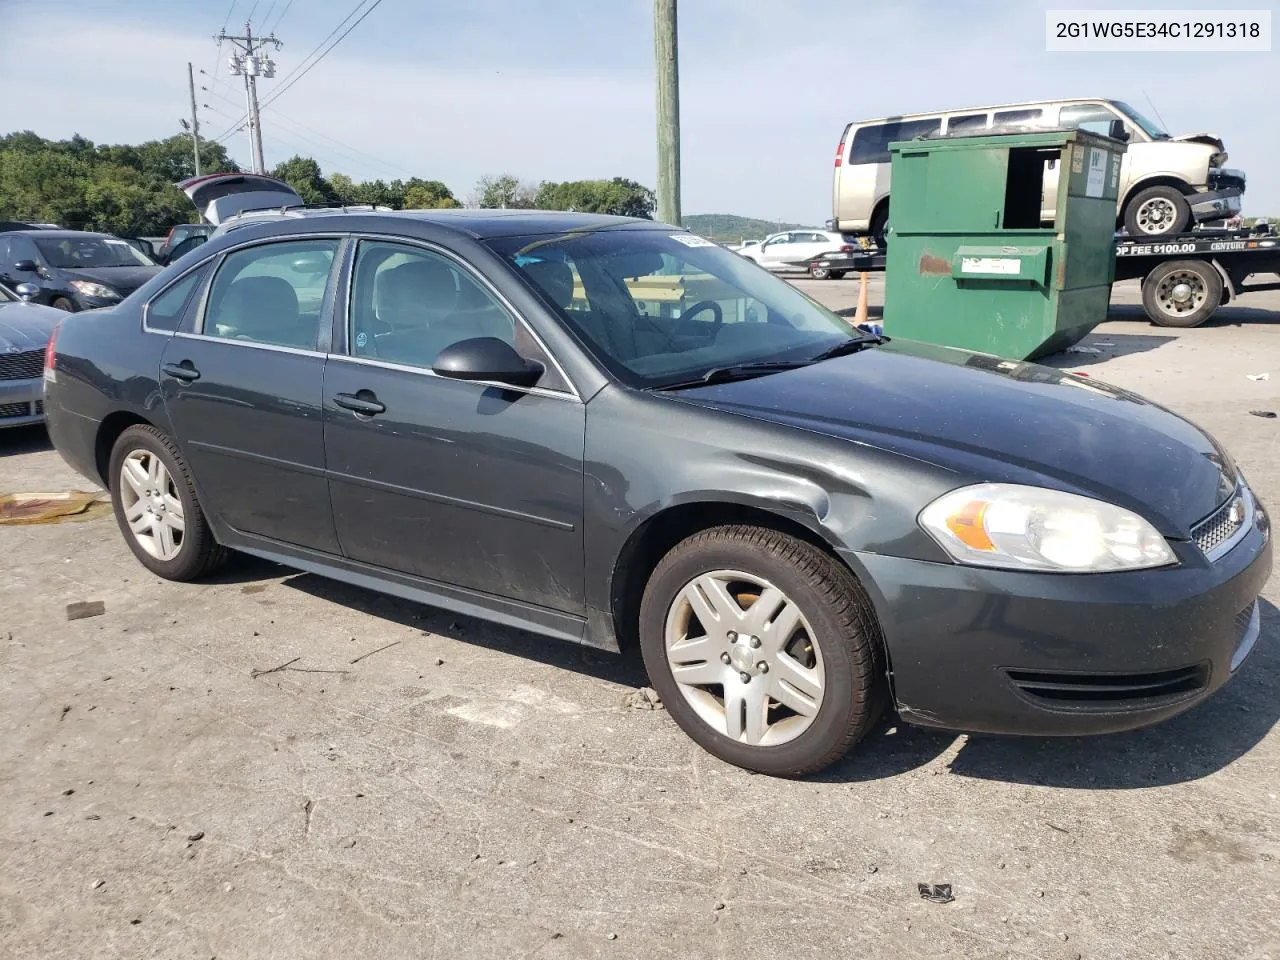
<point>250,63</point>
<point>195,118</point>
<point>664,44</point>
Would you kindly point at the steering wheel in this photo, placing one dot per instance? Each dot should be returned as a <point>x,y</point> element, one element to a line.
<point>715,309</point>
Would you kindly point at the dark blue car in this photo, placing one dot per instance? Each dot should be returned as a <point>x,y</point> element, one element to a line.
<point>73,270</point>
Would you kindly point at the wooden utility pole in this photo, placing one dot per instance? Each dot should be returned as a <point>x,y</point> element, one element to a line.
<point>195,118</point>
<point>664,43</point>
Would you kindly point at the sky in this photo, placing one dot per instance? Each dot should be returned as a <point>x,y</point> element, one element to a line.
<point>564,89</point>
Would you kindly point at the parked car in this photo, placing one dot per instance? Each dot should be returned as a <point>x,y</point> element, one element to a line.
<point>796,250</point>
<point>25,329</point>
<point>73,270</point>
<point>8,225</point>
<point>1167,184</point>
<point>175,243</point>
<point>614,432</point>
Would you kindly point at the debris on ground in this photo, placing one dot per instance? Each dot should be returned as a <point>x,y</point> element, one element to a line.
<point>198,835</point>
<point>645,698</point>
<point>935,892</point>
<point>18,508</point>
<point>1265,414</point>
<point>83,609</point>
<point>1079,349</point>
<point>1258,376</point>
<point>372,652</point>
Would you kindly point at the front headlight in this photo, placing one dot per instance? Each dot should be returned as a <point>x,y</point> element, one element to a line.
<point>1029,528</point>
<point>98,291</point>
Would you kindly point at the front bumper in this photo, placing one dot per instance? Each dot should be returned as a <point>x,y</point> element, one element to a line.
<point>1061,654</point>
<point>1216,204</point>
<point>21,402</point>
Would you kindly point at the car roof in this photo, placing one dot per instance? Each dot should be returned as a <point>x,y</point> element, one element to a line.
<point>59,234</point>
<point>478,223</point>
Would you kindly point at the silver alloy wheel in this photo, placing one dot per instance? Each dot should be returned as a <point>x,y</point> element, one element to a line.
<point>151,504</point>
<point>1157,216</point>
<point>1181,292</point>
<point>744,657</point>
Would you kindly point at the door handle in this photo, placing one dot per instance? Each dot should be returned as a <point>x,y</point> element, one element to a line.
<point>363,402</point>
<point>184,371</point>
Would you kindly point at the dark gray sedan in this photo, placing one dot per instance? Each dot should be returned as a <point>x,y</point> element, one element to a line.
<point>25,329</point>
<point>616,433</point>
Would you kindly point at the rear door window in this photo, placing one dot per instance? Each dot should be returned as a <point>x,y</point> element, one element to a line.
<point>971,123</point>
<point>166,311</point>
<point>871,143</point>
<point>272,293</point>
<point>1017,118</point>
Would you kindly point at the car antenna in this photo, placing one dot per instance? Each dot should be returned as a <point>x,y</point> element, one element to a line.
<point>1152,104</point>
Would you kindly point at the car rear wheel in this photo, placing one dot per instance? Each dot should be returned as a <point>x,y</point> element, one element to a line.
<point>818,273</point>
<point>156,507</point>
<point>763,648</point>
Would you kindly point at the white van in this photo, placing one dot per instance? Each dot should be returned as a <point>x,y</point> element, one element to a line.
<point>1166,183</point>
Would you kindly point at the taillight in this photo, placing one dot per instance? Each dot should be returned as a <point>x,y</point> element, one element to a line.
<point>50,348</point>
<point>846,249</point>
<point>840,152</point>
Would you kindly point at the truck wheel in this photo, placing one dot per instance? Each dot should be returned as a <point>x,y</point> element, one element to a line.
<point>1157,212</point>
<point>1183,293</point>
<point>880,226</point>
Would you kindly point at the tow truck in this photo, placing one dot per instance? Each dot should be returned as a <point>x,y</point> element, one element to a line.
<point>1185,277</point>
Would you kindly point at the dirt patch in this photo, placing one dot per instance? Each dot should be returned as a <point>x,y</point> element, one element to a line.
<point>24,508</point>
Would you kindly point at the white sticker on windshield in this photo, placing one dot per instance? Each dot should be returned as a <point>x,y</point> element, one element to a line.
<point>691,240</point>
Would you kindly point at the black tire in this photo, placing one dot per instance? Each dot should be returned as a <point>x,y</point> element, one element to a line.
<point>843,626</point>
<point>880,226</point>
<point>1182,293</point>
<point>818,273</point>
<point>199,553</point>
<point>1157,212</point>
<point>62,303</point>
<point>837,274</point>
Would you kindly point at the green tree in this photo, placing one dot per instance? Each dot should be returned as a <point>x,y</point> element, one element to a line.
<point>503,191</point>
<point>619,196</point>
<point>303,174</point>
<point>427,195</point>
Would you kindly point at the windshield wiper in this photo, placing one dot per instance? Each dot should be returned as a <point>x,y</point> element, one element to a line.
<point>846,347</point>
<point>738,371</point>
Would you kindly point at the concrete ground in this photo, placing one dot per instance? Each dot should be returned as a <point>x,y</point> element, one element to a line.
<point>274,765</point>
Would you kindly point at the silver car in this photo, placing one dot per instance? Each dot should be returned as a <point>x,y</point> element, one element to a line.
<point>25,329</point>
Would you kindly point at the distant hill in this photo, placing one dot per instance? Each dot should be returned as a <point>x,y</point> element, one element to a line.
<point>729,228</point>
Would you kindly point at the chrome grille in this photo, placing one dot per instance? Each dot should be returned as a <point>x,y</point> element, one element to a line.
<point>1215,533</point>
<point>21,366</point>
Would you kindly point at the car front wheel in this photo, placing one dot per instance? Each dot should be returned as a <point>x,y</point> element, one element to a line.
<point>156,507</point>
<point>764,649</point>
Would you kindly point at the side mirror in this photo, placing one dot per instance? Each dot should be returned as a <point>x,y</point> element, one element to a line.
<point>25,266</point>
<point>27,291</point>
<point>486,358</point>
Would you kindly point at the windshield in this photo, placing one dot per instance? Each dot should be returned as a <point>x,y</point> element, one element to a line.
<point>91,251</point>
<point>1152,130</point>
<point>661,307</point>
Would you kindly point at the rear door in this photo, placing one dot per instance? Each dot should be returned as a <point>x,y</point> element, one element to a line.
<point>243,391</point>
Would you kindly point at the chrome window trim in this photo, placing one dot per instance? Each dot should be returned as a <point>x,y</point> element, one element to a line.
<point>428,372</point>
<point>571,393</point>
<point>253,344</point>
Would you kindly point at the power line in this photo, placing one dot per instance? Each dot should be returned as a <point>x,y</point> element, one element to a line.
<point>280,18</point>
<point>290,82</point>
<point>249,18</point>
<point>267,16</point>
<point>227,18</point>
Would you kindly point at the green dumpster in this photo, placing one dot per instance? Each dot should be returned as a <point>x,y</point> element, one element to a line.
<point>993,248</point>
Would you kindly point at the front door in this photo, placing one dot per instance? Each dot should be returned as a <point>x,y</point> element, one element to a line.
<point>473,485</point>
<point>244,392</point>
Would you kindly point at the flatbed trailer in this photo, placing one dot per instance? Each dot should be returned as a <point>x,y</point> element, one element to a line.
<point>1185,278</point>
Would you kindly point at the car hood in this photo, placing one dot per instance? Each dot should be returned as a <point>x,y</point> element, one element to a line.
<point>999,420</point>
<point>124,280</point>
<point>26,326</point>
<point>1219,157</point>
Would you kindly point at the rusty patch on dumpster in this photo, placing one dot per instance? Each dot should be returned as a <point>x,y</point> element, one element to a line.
<point>934,266</point>
<point>22,508</point>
